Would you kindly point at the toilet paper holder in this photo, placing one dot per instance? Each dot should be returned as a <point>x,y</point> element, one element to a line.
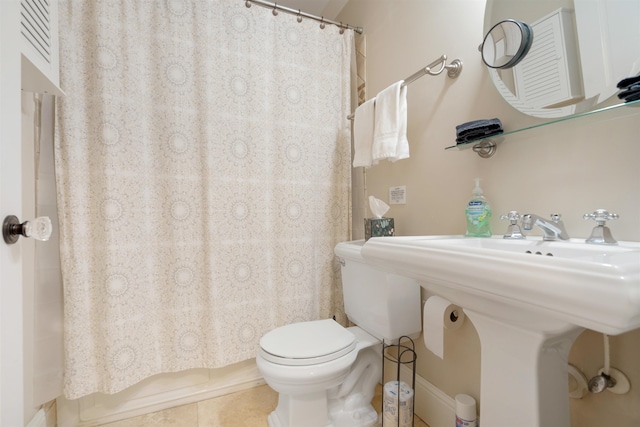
<point>401,354</point>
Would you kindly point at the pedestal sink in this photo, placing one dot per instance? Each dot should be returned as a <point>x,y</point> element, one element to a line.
<point>528,300</point>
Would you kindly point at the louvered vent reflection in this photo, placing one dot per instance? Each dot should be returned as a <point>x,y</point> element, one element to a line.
<point>35,26</point>
<point>549,76</point>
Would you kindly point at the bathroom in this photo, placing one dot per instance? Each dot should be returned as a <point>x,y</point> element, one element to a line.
<point>573,168</point>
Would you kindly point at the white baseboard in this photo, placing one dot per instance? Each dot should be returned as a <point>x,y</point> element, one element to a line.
<point>432,405</point>
<point>158,393</point>
<point>38,420</point>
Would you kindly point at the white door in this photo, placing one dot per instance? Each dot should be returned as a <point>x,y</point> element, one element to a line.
<point>11,323</point>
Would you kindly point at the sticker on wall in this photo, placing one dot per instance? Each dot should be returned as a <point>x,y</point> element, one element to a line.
<point>398,195</point>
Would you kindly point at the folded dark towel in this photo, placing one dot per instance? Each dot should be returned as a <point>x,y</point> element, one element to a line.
<point>478,135</point>
<point>630,90</point>
<point>632,96</point>
<point>622,84</point>
<point>478,125</point>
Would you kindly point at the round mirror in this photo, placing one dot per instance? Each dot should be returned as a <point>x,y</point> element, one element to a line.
<point>506,44</point>
<point>581,49</point>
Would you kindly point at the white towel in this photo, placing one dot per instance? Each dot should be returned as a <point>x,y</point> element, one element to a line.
<point>390,130</point>
<point>363,120</point>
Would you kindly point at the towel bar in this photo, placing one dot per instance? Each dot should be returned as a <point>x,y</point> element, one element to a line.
<point>453,71</point>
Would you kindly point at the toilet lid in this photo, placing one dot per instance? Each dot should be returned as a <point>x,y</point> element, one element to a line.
<point>308,342</point>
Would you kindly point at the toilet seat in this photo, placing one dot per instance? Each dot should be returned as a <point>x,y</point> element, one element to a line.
<point>307,343</point>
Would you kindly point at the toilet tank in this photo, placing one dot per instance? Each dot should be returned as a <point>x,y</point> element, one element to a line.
<point>385,305</point>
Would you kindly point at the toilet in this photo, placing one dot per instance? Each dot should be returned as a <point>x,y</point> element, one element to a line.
<point>325,374</point>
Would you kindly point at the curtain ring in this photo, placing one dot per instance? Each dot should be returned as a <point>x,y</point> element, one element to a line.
<point>341,28</point>
<point>275,11</point>
<point>247,3</point>
<point>322,25</point>
<point>299,18</point>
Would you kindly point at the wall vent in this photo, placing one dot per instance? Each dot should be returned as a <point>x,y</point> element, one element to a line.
<point>549,76</point>
<point>35,26</point>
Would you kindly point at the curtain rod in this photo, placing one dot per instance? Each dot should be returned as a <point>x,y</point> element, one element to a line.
<point>300,14</point>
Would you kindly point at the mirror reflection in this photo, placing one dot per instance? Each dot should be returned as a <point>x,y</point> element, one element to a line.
<point>506,44</point>
<point>581,49</point>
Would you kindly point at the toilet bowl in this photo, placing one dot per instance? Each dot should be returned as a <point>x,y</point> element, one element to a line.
<point>325,374</point>
<point>308,363</point>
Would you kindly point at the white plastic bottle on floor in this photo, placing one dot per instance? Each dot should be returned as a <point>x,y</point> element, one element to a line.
<point>465,411</point>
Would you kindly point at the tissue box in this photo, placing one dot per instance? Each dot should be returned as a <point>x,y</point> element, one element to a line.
<point>376,227</point>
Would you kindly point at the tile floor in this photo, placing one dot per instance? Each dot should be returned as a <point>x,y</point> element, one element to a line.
<point>248,408</point>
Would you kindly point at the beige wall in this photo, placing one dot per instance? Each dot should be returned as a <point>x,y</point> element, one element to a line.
<point>572,168</point>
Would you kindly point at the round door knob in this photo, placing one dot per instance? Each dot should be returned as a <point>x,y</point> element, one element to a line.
<point>39,229</point>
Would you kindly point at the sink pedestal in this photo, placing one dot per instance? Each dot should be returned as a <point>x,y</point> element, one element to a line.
<point>529,300</point>
<point>524,371</point>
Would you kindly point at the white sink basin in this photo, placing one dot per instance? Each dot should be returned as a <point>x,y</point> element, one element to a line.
<point>592,286</point>
<point>528,300</point>
<point>575,249</point>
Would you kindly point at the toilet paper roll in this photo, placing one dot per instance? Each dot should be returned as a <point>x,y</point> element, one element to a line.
<point>397,402</point>
<point>391,422</point>
<point>438,315</point>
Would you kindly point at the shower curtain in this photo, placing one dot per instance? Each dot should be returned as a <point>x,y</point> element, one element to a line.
<point>202,162</point>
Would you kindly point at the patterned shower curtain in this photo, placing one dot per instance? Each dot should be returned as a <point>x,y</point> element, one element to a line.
<point>202,163</point>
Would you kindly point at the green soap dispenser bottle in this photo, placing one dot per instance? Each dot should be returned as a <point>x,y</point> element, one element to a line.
<point>478,213</point>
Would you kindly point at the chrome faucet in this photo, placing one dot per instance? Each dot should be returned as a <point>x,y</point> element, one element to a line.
<point>513,231</point>
<point>601,234</point>
<point>553,229</point>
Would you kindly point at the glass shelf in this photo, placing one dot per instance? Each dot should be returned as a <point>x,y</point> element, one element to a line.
<point>499,137</point>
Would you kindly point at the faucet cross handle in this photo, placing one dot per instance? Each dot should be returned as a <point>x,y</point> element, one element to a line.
<point>512,216</point>
<point>601,234</point>
<point>555,217</point>
<point>601,216</point>
<point>513,230</point>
